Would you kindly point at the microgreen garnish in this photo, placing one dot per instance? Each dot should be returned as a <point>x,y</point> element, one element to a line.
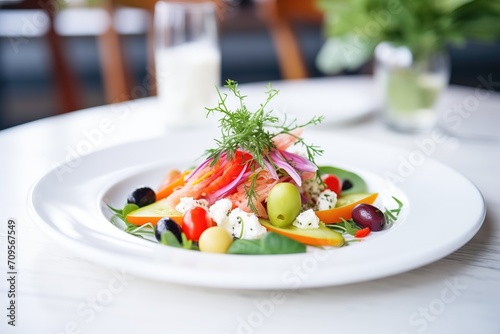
<point>392,215</point>
<point>250,131</point>
<point>119,219</point>
<point>253,132</point>
<point>350,226</point>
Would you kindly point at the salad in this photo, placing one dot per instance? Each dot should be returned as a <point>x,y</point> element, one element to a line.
<point>257,191</point>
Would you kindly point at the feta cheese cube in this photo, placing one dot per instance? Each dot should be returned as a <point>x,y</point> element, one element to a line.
<point>244,225</point>
<point>326,200</point>
<point>187,203</point>
<point>306,219</point>
<point>219,212</point>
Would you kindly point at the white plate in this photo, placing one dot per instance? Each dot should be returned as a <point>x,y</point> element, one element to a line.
<point>443,211</point>
<point>339,101</point>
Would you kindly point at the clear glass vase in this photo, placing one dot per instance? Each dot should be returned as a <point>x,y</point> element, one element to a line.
<point>410,86</point>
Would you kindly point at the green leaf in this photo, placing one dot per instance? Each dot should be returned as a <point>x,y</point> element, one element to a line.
<point>116,211</point>
<point>350,226</point>
<point>136,230</point>
<point>392,215</point>
<point>128,209</point>
<point>274,243</point>
<point>118,221</point>
<point>244,246</point>
<point>186,243</point>
<point>169,239</point>
<point>271,243</point>
<point>358,184</point>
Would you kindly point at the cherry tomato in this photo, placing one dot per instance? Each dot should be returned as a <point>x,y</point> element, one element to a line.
<point>195,221</point>
<point>333,183</point>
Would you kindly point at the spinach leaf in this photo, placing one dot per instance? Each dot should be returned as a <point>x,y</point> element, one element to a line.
<point>244,246</point>
<point>169,239</point>
<point>274,243</point>
<point>271,243</point>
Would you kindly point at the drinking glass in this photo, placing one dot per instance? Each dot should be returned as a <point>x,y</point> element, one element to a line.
<point>187,60</point>
<point>410,86</point>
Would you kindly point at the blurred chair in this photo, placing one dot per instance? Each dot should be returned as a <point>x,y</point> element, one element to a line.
<point>281,16</point>
<point>66,82</point>
<point>116,70</point>
<point>117,74</point>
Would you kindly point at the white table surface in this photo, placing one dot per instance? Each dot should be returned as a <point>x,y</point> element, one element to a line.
<point>59,291</point>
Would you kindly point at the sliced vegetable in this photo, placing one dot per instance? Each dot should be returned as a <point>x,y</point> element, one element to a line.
<point>336,214</point>
<point>170,176</point>
<point>152,213</point>
<point>349,199</point>
<point>322,236</point>
<point>172,180</point>
<point>231,171</point>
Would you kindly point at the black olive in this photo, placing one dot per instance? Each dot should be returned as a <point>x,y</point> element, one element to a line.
<point>142,196</point>
<point>367,215</point>
<point>346,184</point>
<point>167,224</point>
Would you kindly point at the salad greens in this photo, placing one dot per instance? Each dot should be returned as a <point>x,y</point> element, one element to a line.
<point>169,239</point>
<point>392,215</point>
<point>253,196</point>
<point>121,215</point>
<point>271,243</point>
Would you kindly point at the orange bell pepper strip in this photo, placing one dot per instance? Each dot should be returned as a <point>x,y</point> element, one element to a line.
<point>171,181</point>
<point>335,215</point>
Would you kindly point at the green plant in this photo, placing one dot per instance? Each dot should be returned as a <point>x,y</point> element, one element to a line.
<point>354,27</point>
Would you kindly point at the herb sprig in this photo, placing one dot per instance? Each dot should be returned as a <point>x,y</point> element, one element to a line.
<point>392,215</point>
<point>242,129</point>
<point>254,132</point>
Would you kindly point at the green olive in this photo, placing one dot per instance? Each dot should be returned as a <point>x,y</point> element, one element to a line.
<point>283,204</point>
<point>215,239</point>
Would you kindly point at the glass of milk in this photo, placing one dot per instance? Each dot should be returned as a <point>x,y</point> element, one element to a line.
<point>187,60</point>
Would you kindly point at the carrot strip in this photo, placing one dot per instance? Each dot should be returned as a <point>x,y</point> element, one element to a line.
<point>169,188</point>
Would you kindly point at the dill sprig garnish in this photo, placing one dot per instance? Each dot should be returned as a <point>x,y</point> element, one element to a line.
<point>253,132</point>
